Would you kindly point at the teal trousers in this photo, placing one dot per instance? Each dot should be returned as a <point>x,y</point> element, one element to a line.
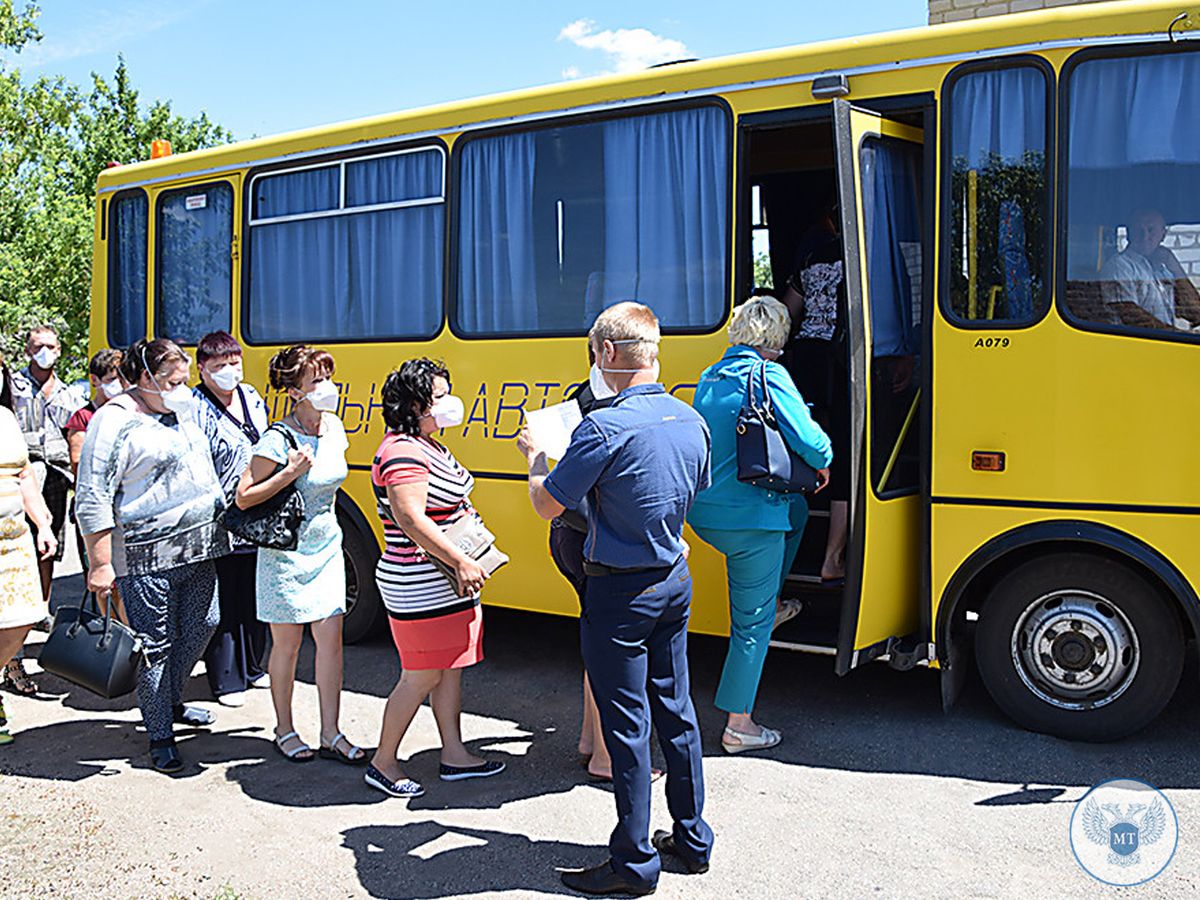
<point>756,563</point>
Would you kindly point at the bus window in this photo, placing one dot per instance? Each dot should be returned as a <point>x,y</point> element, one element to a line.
<point>892,220</point>
<point>998,196</point>
<point>557,223</point>
<point>357,245</point>
<point>194,265</point>
<point>1133,214</point>
<point>127,270</point>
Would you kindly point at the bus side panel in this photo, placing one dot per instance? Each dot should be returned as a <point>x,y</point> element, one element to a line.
<point>961,530</point>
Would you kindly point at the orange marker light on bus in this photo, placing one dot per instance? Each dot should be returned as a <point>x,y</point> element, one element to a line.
<point>159,148</point>
<point>987,461</point>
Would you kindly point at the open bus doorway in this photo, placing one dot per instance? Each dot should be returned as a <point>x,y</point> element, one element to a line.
<point>807,185</point>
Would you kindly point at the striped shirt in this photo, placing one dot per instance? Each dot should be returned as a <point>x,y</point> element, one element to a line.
<point>410,585</point>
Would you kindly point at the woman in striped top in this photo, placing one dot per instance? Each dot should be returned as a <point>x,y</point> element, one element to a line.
<point>437,626</point>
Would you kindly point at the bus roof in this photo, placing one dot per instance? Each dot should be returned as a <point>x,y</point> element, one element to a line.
<point>946,43</point>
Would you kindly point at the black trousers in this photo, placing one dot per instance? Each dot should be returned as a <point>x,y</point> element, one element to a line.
<point>634,636</point>
<point>235,654</point>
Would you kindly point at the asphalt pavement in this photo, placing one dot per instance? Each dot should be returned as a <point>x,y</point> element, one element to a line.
<point>875,792</point>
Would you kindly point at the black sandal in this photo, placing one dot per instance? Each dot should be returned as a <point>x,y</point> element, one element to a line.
<point>17,680</point>
<point>355,756</point>
<point>165,758</point>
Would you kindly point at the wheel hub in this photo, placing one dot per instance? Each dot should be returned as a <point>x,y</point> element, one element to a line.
<point>1075,649</point>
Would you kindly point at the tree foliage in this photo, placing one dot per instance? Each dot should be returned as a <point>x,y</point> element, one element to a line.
<point>55,138</point>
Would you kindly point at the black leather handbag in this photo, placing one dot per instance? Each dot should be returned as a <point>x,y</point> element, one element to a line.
<point>274,523</point>
<point>763,456</point>
<point>91,650</point>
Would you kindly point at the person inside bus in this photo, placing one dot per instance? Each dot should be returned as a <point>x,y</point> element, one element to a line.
<point>758,531</point>
<point>1144,285</point>
<point>816,299</point>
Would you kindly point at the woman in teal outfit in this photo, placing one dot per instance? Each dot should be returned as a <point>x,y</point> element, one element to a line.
<point>759,552</point>
<point>305,586</point>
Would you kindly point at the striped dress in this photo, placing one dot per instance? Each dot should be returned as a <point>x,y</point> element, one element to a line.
<point>432,624</point>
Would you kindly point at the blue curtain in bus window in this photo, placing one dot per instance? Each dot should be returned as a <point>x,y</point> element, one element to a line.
<point>293,193</point>
<point>998,194</point>
<point>194,266</point>
<point>497,284</point>
<point>665,211</point>
<point>374,274</point>
<point>127,275</point>
<point>891,193</point>
<point>394,179</point>
<point>1133,145</point>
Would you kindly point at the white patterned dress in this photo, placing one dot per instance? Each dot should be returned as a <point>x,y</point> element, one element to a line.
<point>20,584</point>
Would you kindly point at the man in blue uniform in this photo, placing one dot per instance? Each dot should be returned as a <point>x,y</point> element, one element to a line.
<point>639,463</point>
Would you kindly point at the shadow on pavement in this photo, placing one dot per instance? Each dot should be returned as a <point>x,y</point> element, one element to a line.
<point>426,859</point>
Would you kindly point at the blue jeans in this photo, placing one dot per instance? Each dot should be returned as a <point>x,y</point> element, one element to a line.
<point>756,563</point>
<point>633,631</point>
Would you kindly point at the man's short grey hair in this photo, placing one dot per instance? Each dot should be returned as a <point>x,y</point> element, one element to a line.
<point>762,323</point>
<point>628,321</point>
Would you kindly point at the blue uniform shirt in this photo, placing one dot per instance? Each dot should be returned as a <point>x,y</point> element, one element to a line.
<point>639,463</point>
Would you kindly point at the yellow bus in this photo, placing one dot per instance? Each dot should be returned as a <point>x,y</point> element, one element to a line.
<point>1020,226</point>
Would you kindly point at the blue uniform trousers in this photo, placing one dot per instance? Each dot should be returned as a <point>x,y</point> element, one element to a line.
<point>633,632</point>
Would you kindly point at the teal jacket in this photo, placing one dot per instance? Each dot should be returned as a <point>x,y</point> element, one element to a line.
<point>730,504</point>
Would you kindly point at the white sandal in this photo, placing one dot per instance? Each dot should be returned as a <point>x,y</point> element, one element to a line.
<point>293,755</point>
<point>743,742</point>
<point>786,611</point>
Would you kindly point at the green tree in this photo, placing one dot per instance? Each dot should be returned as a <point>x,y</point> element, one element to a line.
<point>54,140</point>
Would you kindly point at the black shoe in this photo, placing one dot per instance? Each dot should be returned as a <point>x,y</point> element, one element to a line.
<point>460,773</point>
<point>604,881</point>
<point>664,842</point>
<point>193,716</point>
<point>166,759</point>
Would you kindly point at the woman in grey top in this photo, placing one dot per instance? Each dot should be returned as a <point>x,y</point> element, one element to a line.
<point>147,503</point>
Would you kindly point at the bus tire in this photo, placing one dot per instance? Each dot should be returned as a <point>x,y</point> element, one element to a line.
<point>1080,647</point>
<point>363,604</point>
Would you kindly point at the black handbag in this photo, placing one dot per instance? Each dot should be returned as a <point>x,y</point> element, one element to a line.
<point>91,650</point>
<point>274,523</point>
<point>763,456</point>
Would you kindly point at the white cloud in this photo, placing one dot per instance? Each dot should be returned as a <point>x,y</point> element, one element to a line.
<point>570,72</point>
<point>628,49</point>
<point>106,29</point>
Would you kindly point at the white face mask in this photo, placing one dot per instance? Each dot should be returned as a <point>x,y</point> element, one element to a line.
<point>324,397</point>
<point>46,358</point>
<point>111,388</point>
<point>178,399</point>
<point>447,411</point>
<point>228,376</point>
<point>600,388</point>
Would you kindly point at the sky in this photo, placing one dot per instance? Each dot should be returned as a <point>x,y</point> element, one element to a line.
<point>261,67</point>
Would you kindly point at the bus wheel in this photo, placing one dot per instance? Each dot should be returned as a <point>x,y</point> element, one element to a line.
<point>363,604</point>
<point>1080,647</point>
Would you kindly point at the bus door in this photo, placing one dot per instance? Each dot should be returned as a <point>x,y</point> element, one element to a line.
<point>880,165</point>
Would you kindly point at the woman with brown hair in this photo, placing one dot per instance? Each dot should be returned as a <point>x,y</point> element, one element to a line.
<point>305,586</point>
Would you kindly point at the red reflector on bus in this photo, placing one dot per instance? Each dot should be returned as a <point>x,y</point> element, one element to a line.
<point>987,461</point>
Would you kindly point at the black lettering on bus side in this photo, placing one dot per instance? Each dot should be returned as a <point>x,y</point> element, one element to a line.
<point>998,343</point>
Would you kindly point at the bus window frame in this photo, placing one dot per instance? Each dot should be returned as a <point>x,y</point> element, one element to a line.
<point>566,119</point>
<point>341,156</point>
<point>1118,51</point>
<point>110,252</point>
<point>946,150</point>
<point>157,295</point>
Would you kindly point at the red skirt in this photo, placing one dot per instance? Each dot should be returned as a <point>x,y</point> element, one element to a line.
<point>453,641</point>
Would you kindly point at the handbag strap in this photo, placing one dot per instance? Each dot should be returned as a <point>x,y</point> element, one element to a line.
<point>760,370</point>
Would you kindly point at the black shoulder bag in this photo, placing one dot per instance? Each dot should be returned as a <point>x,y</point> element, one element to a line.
<point>94,651</point>
<point>763,457</point>
<point>274,523</point>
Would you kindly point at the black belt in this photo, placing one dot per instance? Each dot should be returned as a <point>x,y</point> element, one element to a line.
<point>594,569</point>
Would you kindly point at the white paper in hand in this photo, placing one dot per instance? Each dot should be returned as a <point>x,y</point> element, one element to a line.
<point>551,427</point>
